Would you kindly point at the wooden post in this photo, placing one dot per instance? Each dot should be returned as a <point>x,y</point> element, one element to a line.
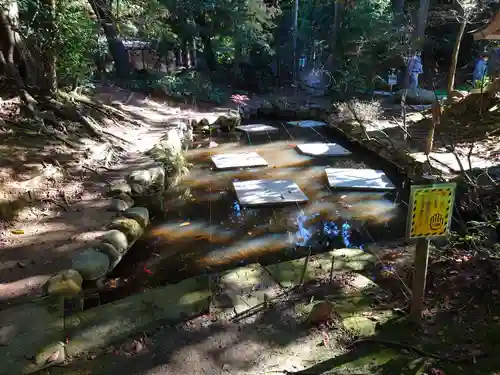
<point>419,279</point>
<point>436,120</point>
<point>304,270</point>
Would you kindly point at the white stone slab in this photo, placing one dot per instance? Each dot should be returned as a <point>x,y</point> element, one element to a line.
<point>322,149</point>
<point>307,123</point>
<point>257,129</point>
<point>238,160</point>
<point>268,192</point>
<point>358,179</point>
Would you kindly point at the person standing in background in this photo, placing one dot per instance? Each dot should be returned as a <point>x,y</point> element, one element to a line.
<point>415,68</point>
<point>480,74</point>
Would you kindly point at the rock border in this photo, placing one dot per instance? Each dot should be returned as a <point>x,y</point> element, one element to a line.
<point>133,197</point>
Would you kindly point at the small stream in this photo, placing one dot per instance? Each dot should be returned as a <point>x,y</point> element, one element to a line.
<point>205,229</point>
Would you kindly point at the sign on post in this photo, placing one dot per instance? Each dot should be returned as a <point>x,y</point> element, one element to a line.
<point>429,215</point>
<point>430,210</point>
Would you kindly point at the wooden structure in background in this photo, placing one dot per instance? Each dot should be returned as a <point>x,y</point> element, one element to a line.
<point>143,56</point>
<point>490,31</point>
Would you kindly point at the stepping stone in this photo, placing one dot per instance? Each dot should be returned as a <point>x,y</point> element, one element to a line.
<point>268,192</point>
<point>238,160</point>
<point>323,149</point>
<point>358,179</point>
<point>244,288</point>
<point>257,129</point>
<point>307,123</point>
<point>288,273</point>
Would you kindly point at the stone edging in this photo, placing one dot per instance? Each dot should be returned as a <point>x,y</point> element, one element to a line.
<point>405,164</point>
<point>133,198</point>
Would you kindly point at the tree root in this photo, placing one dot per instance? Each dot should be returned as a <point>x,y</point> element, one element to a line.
<point>71,107</point>
<point>103,109</point>
<point>421,352</point>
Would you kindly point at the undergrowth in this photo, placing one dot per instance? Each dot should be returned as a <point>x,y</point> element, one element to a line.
<point>183,86</point>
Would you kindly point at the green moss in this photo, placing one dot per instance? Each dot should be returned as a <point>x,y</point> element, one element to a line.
<point>131,228</point>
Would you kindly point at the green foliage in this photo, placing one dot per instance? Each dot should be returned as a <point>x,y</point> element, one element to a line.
<point>77,42</point>
<point>76,37</point>
<point>191,84</point>
<point>367,39</point>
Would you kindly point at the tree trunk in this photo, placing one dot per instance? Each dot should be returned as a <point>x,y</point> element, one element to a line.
<point>186,58</point>
<point>337,20</point>
<point>423,13</point>
<point>171,63</point>
<point>454,56</point>
<point>115,43</point>
<point>237,62</point>
<point>178,57</point>
<point>398,7</point>
<point>50,54</point>
<point>194,57</point>
<point>8,46</point>
<point>208,52</point>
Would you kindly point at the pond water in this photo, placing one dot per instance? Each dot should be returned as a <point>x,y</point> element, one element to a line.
<point>206,230</point>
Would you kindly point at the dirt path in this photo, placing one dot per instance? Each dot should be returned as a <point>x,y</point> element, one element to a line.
<point>73,210</point>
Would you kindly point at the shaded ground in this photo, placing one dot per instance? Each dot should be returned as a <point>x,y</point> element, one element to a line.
<point>51,195</point>
<point>460,333</point>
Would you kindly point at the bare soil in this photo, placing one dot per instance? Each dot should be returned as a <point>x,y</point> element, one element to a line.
<point>52,200</point>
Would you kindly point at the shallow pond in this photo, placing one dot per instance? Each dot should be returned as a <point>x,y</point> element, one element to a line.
<point>205,229</point>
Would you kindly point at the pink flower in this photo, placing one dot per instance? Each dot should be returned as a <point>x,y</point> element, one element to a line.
<point>239,99</point>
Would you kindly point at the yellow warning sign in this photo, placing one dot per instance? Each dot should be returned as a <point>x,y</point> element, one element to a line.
<point>430,210</point>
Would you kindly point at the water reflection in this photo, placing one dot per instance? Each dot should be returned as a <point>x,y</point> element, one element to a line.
<point>213,229</point>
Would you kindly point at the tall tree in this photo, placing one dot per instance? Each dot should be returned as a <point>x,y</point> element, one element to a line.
<point>50,54</point>
<point>116,47</point>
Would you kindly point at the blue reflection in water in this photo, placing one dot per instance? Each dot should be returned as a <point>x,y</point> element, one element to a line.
<point>330,230</point>
<point>346,234</point>
<point>236,209</point>
<point>303,234</point>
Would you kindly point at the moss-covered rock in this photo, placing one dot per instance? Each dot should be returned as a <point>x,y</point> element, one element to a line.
<point>229,122</point>
<point>119,187</point>
<point>117,239</point>
<point>139,214</point>
<point>67,283</point>
<point>132,229</point>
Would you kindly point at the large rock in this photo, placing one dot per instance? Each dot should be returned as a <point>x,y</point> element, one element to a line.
<point>141,177</point>
<point>132,229</point>
<point>117,239</point>
<point>91,264</point>
<point>112,253</point>
<point>171,142</point>
<point>157,176</point>
<point>119,187</point>
<point>67,283</point>
<point>229,121</point>
<point>184,128</point>
<point>138,190</point>
<point>118,205</point>
<point>417,96</point>
<point>139,214</point>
